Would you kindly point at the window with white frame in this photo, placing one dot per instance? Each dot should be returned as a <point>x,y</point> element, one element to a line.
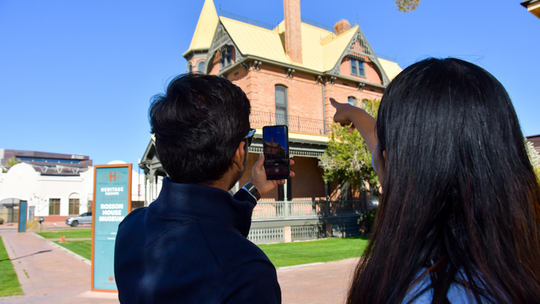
<point>54,206</point>
<point>357,67</point>
<point>281,105</point>
<point>200,66</point>
<point>73,206</point>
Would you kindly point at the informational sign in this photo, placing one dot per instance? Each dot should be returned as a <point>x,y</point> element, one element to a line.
<point>112,202</point>
<point>22,216</point>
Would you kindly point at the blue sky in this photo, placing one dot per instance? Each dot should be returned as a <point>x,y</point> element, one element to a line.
<point>76,77</point>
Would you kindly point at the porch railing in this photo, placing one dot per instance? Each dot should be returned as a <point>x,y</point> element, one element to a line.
<point>306,209</point>
<point>296,124</point>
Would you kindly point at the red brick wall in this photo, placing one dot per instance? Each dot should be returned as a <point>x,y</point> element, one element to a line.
<point>214,68</point>
<point>195,63</point>
<point>304,94</point>
<point>341,90</point>
<point>305,100</point>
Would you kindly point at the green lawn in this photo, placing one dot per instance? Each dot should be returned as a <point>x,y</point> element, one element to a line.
<point>82,248</point>
<point>9,282</point>
<point>297,253</point>
<point>68,233</point>
<point>282,254</point>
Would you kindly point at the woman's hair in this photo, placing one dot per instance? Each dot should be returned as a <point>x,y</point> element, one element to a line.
<point>459,195</point>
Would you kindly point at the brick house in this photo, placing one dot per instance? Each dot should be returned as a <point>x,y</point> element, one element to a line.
<point>288,72</point>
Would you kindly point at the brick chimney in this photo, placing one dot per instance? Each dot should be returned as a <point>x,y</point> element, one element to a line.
<point>342,26</point>
<point>293,31</point>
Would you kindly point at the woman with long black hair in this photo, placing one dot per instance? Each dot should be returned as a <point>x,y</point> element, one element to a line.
<point>458,219</point>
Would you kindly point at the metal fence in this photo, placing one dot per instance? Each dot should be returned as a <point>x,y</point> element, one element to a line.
<point>306,209</point>
<point>307,220</point>
<point>266,235</point>
<point>295,123</point>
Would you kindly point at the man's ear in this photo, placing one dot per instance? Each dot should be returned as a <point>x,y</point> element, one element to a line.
<point>238,157</point>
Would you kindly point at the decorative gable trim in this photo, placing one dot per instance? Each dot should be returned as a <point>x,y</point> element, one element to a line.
<point>221,40</point>
<point>359,48</point>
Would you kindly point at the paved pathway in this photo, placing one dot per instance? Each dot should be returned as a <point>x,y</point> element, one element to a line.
<point>50,275</point>
<point>316,284</point>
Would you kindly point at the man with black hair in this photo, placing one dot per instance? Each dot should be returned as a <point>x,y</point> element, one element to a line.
<point>190,246</point>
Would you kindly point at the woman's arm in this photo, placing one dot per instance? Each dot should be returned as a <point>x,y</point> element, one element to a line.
<point>362,121</point>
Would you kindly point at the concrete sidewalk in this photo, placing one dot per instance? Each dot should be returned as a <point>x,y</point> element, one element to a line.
<point>50,275</point>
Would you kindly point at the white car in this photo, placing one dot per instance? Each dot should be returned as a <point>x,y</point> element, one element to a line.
<point>85,218</point>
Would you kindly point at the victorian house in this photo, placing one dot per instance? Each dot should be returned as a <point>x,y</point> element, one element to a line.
<point>288,72</point>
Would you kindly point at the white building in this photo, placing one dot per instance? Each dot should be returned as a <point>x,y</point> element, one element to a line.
<point>54,197</point>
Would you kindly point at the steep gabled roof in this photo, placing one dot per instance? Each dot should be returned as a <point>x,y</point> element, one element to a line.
<point>205,29</point>
<point>321,49</point>
<point>268,44</point>
<point>391,68</point>
<point>255,41</point>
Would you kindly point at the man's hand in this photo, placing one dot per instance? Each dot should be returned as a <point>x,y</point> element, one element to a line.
<point>258,177</point>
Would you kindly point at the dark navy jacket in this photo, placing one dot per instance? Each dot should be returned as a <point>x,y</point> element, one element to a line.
<point>190,246</point>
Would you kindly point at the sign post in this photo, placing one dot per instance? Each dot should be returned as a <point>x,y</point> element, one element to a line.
<point>112,202</point>
<point>22,216</point>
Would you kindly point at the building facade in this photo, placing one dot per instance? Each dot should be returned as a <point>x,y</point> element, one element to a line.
<point>54,185</point>
<point>288,72</point>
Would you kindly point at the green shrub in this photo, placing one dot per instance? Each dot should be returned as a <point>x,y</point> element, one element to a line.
<point>367,221</point>
<point>1,221</point>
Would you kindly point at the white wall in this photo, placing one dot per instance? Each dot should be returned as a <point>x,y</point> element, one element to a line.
<point>24,183</point>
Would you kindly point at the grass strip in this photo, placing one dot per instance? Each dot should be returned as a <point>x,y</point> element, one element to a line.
<point>71,233</point>
<point>82,248</point>
<point>282,254</point>
<point>9,281</point>
<point>298,253</point>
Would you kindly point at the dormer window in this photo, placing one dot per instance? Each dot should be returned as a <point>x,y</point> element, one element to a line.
<point>357,67</point>
<point>226,56</point>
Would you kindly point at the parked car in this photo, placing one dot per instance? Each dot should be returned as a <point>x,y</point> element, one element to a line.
<point>85,218</point>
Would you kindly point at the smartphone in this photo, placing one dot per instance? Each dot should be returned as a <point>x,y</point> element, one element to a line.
<point>276,152</point>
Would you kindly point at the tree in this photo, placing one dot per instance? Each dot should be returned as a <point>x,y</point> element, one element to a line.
<point>534,157</point>
<point>12,162</point>
<point>347,157</point>
<point>407,5</point>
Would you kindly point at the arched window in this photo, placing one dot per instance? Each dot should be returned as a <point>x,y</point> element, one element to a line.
<point>364,103</point>
<point>74,204</point>
<point>190,68</point>
<point>281,105</point>
<point>200,66</point>
<point>352,101</point>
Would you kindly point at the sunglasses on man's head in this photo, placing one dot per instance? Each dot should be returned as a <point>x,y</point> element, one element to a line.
<point>249,136</point>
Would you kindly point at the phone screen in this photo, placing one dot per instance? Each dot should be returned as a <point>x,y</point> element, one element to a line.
<point>276,152</point>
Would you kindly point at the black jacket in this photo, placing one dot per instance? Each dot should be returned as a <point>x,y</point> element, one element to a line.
<point>190,246</point>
